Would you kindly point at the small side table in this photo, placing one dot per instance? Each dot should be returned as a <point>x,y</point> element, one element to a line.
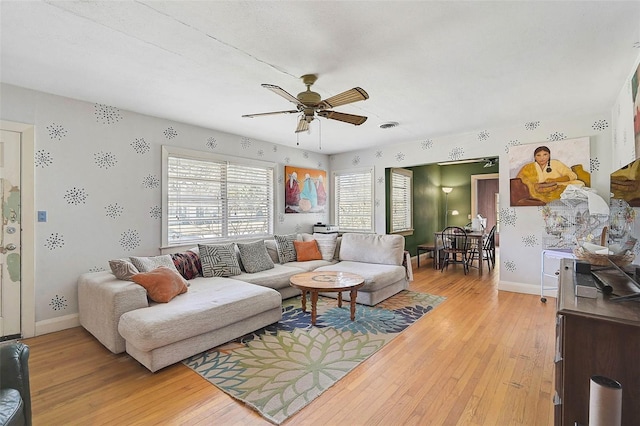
<point>327,281</point>
<point>429,248</point>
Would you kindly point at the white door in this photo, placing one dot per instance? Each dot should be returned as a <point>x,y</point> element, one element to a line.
<point>10,234</point>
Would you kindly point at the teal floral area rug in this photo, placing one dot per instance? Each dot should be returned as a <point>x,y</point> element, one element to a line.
<point>281,368</point>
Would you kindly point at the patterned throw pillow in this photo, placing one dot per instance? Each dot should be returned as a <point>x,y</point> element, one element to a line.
<point>286,249</point>
<point>307,250</point>
<point>123,269</point>
<point>255,257</point>
<point>147,264</point>
<point>188,264</point>
<point>219,260</point>
<point>327,244</point>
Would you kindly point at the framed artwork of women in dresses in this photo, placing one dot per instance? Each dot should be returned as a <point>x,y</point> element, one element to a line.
<point>305,190</point>
<point>625,182</point>
<point>539,173</point>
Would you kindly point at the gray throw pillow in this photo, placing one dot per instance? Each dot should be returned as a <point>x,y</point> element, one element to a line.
<point>272,249</point>
<point>123,269</point>
<point>219,260</point>
<point>255,257</point>
<point>286,249</point>
<point>148,264</point>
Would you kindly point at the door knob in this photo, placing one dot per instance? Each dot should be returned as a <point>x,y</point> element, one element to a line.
<point>10,247</point>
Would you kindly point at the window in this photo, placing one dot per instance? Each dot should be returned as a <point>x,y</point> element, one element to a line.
<point>354,200</point>
<point>212,197</point>
<point>402,201</point>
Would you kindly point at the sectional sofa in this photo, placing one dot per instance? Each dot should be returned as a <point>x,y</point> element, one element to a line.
<point>208,311</point>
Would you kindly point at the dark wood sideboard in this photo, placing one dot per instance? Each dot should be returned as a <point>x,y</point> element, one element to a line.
<point>594,337</point>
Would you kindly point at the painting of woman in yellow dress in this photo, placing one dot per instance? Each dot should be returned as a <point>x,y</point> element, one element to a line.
<point>544,179</point>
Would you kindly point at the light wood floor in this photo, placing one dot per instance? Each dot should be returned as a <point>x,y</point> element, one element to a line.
<point>482,357</point>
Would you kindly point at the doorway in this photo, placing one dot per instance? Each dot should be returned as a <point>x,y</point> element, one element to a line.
<point>485,199</point>
<point>18,221</point>
<point>10,230</point>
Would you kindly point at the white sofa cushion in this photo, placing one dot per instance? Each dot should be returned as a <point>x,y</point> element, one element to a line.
<point>275,278</point>
<point>376,276</point>
<point>372,248</point>
<point>102,299</point>
<point>310,265</point>
<point>210,304</point>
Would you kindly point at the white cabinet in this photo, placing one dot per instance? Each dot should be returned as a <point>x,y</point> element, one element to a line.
<point>550,269</point>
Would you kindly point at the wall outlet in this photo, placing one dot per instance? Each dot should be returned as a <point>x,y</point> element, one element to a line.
<point>42,216</point>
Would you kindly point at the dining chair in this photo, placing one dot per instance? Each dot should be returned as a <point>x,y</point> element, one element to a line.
<point>488,250</point>
<point>456,248</point>
<point>492,245</point>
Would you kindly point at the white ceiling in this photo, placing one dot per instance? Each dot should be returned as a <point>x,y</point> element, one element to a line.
<point>437,68</point>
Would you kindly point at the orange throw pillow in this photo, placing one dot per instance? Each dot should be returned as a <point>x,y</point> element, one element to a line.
<point>162,284</point>
<point>307,250</point>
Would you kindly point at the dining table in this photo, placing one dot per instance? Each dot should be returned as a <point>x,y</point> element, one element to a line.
<point>476,238</point>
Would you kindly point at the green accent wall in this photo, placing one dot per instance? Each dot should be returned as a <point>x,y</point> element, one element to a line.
<point>428,198</point>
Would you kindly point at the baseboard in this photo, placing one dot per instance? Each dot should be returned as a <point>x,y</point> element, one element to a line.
<point>57,324</point>
<point>525,288</point>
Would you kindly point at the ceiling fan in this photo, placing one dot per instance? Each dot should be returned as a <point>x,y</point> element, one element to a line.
<point>309,104</point>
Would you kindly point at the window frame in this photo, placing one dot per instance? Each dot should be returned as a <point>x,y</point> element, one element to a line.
<point>408,216</point>
<point>336,174</point>
<point>191,154</point>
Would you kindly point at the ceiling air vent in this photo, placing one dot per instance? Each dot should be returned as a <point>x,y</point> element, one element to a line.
<point>389,125</point>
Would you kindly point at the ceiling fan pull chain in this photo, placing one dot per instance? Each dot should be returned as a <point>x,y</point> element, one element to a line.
<point>319,134</point>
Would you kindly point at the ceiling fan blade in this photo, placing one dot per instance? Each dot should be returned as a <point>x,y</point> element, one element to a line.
<point>303,125</point>
<point>271,113</point>
<point>341,116</point>
<point>280,91</point>
<point>353,95</point>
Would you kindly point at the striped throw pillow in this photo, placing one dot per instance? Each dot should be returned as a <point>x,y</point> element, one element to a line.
<point>286,249</point>
<point>219,260</point>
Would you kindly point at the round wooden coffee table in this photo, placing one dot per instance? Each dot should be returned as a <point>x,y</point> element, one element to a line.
<point>327,281</point>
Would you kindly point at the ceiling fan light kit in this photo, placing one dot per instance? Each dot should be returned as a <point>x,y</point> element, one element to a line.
<point>303,126</point>
<point>309,104</point>
<point>491,162</point>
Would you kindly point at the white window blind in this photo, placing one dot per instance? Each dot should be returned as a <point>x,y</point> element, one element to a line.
<point>354,200</point>
<point>401,200</point>
<point>209,199</point>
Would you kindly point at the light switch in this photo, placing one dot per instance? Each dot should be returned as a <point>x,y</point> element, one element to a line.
<point>42,216</point>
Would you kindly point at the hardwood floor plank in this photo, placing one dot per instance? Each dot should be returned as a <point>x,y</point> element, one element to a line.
<point>482,357</point>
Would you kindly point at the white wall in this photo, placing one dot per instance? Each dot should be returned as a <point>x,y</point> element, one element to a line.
<point>520,227</point>
<point>97,175</point>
